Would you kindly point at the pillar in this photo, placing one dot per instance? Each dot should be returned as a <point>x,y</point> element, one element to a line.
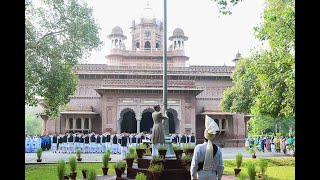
<point>227,126</point>
<point>138,125</point>
<point>89,124</point>
<point>82,123</point>
<point>220,124</point>
<point>67,123</point>
<point>74,124</point>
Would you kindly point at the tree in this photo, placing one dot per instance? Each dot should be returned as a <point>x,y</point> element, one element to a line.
<point>32,125</point>
<point>264,82</point>
<point>224,5</point>
<point>58,34</point>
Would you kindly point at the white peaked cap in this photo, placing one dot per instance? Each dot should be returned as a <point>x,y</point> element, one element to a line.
<point>210,125</point>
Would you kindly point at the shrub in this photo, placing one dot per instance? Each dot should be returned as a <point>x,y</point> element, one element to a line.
<point>78,152</point>
<point>263,164</point>
<point>155,168</point>
<point>241,176</point>
<point>176,147</point>
<point>119,165</point>
<point>278,134</point>
<point>162,147</point>
<point>61,169</point>
<point>92,175</point>
<point>73,163</point>
<point>141,176</point>
<point>156,158</point>
<point>141,146</point>
<point>132,150</point>
<point>129,155</point>
<point>186,158</point>
<point>105,159</point>
<point>188,146</point>
<point>251,171</point>
<point>239,160</point>
<point>39,153</point>
<point>148,152</point>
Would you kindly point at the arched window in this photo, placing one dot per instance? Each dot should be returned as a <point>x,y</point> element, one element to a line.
<point>146,123</point>
<point>137,45</point>
<point>157,45</point>
<point>147,45</point>
<point>71,123</point>
<point>179,44</point>
<point>86,123</point>
<point>116,43</point>
<point>78,123</point>
<point>175,45</point>
<point>120,44</point>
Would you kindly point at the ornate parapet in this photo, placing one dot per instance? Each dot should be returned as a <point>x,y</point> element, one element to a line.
<point>147,83</point>
<point>211,109</point>
<point>80,108</point>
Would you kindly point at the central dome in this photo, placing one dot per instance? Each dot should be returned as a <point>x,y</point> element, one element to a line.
<point>147,12</point>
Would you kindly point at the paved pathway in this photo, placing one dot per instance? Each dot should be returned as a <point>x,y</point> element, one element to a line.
<point>49,157</point>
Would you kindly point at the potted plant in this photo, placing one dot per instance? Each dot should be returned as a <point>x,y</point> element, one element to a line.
<point>140,176</point>
<point>73,167</point>
<point>105,161</point>
<point>156,170</point>
<point>108,151</point>
<point>84,173</point>
<point>119,168</point>
<point>157,160</point>
<point>61,169</point>
<point>263,164</point>
<point>141,149</point>
<point>252,151</point>
<point>162,150</point>
<point>188,149</point>
<point>177,150</point>
<point>186,161</point>
<point>251,168</point>
<point>78,153</point>
<point>39,154</point>
<point>148,151</point>
<point>130,157</point>
<point>92,175</point>
<point>239,158</point>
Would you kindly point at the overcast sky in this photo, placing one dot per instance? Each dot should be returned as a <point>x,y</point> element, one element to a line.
<point>214,39</point>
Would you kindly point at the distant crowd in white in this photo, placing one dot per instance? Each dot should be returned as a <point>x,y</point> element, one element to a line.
<point>98,143</point>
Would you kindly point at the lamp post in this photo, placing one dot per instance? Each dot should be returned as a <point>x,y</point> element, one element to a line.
<point>170,153</point>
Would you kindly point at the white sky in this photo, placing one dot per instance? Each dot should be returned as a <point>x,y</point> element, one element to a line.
<point>214,39</point>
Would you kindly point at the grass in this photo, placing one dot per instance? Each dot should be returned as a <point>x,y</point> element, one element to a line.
<point>278,169</point>
<point>49,171</point>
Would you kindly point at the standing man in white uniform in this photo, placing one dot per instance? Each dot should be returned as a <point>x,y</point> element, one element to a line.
<point>207,162</point>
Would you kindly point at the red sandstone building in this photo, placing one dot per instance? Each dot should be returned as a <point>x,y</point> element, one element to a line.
<point>119,96</point>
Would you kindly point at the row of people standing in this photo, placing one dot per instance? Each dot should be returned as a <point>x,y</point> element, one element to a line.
<point>271,143</point>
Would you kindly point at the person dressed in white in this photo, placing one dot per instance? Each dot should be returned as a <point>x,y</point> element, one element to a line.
<point>207,163</point>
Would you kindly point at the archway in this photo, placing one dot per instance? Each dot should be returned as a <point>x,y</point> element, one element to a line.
<point>146,122</point>
<point>147,45</point>
<point>172,124</point>
<point>129,122</point>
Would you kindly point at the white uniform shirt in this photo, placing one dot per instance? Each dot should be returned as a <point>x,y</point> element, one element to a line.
<point>199,155</point>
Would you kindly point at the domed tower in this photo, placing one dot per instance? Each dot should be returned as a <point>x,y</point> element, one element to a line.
<point>117,38</point>
<point>178,39</point>
<point>147,31</point>
<point>236,59</point>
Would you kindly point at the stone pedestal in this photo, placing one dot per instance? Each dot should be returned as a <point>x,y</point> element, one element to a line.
<point>172,169</point>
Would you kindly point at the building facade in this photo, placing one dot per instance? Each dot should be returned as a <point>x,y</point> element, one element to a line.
<point>119,96</point>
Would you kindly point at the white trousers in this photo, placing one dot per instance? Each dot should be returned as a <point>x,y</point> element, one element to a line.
<point>206,175</point>
<point>54,147</point>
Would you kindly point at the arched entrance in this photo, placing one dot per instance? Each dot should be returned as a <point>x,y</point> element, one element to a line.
<point>172,125</point>
<point>129,122</point>
<point>146,122</point>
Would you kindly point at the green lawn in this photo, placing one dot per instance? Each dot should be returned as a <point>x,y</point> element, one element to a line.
<point>278,169</point>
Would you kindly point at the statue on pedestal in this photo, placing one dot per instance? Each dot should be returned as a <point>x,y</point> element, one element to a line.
<point>158,136</point>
